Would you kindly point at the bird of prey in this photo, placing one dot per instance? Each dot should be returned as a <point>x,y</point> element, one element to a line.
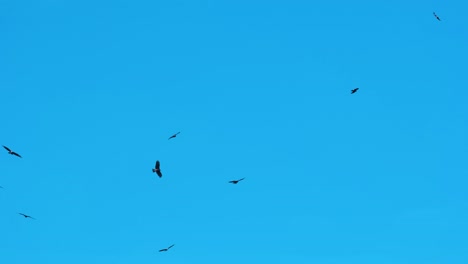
<point>236,181</point>
<point>27,216</point>
<point>166,249</point>
<point>436,16</point>
<point>354,90</point>
<point>157,169</point>
<point>173,136</point>
<point>12,152</point>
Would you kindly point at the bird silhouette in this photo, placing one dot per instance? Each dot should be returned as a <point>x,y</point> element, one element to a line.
<point>236,181</point>
<point>354,90</point>
<point>27,216</point>
<point>12,152</point>
<point>173,136</point>
<point>436,16</point>
<point>166,249</point>
<point>157,169</point>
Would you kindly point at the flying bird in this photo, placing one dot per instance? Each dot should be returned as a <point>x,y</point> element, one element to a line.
<point>157,169</point>
<point>166,249</point>
<point>12,152</point>
<point>236,181</point>
<point>27,216</point>
<point>173,136</point>
<point>436,16</point>
<point>354,90</point>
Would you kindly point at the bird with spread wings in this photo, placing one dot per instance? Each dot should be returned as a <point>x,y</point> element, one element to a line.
<point>173,136</point>
<point>354,90</point>
<point>157,169</point>
<point>12,152</point>
<point>236,181</point>
<point>166,249</point>
<point>436,16</point>
<point>27,216</point>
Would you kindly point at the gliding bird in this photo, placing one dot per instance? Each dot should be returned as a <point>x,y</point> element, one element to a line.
<point>27,216</point>
<point>236,181</point>
<point>12,152</point>
<point>166,249</point>
<point>173,136</point>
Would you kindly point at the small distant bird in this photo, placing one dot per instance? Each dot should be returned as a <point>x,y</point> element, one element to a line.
<point>12,152</point>
<point>157,169</point>
<point>236,181</point>
<point>27,216</point>
<point>436,16</point>
<point>173,136</point>
<point>354,90</point>
<point>166,249</point>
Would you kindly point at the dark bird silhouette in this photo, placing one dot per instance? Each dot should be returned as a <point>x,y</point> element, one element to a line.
<point>436,16</point>
<point>354,90</point>
<point>173,136</point>
<point>12,152</point>
<point>236,181</point>
<point>166,249</point>
<point>157,169</point>
<point>27,216</point>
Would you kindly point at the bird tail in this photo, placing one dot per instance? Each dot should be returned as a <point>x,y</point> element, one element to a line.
<point>154,170</point>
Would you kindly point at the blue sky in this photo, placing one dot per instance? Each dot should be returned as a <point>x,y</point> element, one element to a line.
<point>92,90</point>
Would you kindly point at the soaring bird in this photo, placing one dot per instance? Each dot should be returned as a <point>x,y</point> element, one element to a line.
<point>27,216</point>
<point>236,181</point>
<point>157,169</point>
<point>436,16</point>
<point>354,90</point>
<point>12,152</point>
<point>173,136</point>
<point>166,249</point>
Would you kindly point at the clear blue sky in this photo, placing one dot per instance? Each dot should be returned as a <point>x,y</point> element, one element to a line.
<point>91,90</point>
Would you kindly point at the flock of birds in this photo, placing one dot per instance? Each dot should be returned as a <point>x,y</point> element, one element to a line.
<point>157,167</point>
<point>156,170</point>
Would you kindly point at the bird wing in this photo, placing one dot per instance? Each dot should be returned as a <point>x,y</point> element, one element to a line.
<point>7,148</point>
<point>16,154</point>
<point>171,246</point>
<point>158,172</point>
<point>157,165</point>
<point>22,214</point>
<point>241,179</point>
